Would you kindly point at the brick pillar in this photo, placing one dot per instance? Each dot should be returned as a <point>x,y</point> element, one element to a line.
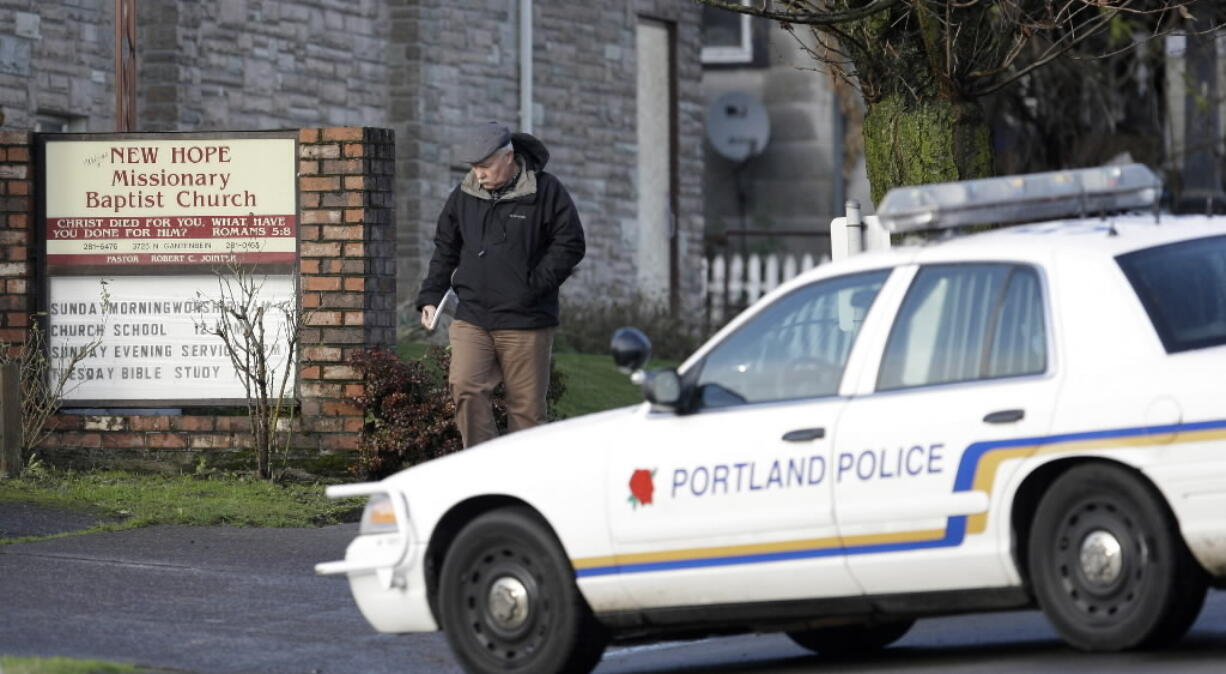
<point>347,255</point>
<point>16,284</point>
<point>16,219</point>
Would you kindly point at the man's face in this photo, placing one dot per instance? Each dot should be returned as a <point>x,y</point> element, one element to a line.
<point>495,170</point>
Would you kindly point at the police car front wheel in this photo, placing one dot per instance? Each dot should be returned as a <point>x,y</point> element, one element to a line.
<point>1107,564</point>
<point>508,601</point>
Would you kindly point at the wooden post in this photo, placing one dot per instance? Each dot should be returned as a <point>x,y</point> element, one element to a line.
<point>125,65</point>
<point>10,419</point>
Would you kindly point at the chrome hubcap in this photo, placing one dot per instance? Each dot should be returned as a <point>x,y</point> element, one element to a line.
<point>1101,558</point>
<point>508,602</point>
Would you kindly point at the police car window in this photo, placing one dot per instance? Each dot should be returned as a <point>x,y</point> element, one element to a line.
<point>795,348</point>
<point>1019,343</point>
<point>966,322</point>
<point>1183,289</point>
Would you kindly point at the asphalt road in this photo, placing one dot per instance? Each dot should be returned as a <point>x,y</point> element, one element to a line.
<point>246,600</point>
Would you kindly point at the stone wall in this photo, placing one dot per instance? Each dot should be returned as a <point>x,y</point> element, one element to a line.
<point>451,63</point>
<point>262,64</point>
<point>62,63</point>
<point>425,69</point>
<point>420,67</point>
<point>458,62</point>
<point>347,282</point>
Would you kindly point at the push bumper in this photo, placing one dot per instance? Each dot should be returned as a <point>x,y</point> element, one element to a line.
<point>385,571</point>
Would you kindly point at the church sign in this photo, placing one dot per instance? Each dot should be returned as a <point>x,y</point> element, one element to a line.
<point>140,231</point>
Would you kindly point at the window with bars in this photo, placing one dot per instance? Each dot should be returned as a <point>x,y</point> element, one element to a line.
<point>965,322</point>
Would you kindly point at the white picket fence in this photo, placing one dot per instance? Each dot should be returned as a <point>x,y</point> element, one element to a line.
<point>735,281</point>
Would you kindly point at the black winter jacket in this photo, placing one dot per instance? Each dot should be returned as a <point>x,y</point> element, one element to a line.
<point>506,257</point>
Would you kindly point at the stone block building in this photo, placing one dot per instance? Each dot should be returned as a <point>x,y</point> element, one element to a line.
<point>613,88</point>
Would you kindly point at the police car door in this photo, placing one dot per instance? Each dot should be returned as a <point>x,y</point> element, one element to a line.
<point>922,454</point>
<point>731,502</point>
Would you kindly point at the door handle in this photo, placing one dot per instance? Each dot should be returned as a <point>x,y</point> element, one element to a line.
<point>1004,416</point>
<point>804,434</point>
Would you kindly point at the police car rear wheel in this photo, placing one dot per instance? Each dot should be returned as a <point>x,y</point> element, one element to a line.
<point>508,601</point>
<point>851,639</point>
<point>1107,564</point>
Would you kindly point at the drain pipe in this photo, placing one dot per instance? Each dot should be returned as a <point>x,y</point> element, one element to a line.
<point>525,66</point>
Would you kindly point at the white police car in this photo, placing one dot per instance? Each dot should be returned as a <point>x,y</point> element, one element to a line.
<point>1029,416</point>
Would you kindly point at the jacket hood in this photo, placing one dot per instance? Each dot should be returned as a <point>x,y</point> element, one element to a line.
<point>531,149</point>
<point>525,186</point>
<point>532,155</point>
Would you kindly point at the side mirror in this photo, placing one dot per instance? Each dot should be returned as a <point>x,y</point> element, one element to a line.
<point>662,387</point>
<point>631,349</point>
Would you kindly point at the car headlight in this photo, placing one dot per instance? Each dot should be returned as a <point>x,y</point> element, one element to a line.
<point>379,516</point>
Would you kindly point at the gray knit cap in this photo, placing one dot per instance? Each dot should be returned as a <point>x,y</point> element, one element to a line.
<point>480,141</point>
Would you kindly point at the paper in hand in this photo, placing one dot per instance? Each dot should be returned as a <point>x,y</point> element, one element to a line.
<point>446,305</point>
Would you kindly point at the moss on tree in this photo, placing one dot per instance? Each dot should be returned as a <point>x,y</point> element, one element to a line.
<point>933,140</point>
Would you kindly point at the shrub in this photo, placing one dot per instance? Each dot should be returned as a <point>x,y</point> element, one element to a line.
<point>409,414</point>
<point>44,381</point>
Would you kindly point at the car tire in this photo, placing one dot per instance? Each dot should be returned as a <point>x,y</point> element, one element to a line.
<point>508,600</point>
<point>1107,564</point>
<point>845,640</point>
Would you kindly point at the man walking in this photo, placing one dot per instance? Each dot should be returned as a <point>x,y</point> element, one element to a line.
<point>507,238</point>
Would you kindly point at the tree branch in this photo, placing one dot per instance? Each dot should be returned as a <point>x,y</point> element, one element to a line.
<point>799,17</point>
<point>1054,52</point>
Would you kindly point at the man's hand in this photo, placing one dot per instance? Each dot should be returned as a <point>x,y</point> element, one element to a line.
<point>427,314</point>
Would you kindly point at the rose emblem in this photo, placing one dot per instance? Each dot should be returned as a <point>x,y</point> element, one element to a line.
<point>641,487</point>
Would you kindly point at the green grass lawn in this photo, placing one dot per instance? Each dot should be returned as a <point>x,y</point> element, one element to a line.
<point>14,665</point>
<point>128,500</point>
<point>593,382</point>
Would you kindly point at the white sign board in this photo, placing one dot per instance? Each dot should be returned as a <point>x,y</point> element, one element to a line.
<point>151,340</point>
<point>138,228</point>
<point>118,204</point>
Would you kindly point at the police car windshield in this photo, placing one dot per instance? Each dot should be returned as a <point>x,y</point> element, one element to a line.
<point>1183,288</point>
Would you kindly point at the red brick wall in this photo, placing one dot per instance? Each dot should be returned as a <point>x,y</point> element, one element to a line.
<point>347,257</point>
<point>16,212</point>
<point>347,265</point>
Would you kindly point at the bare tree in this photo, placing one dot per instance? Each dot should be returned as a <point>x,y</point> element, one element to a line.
<point>46,377</point>
<point>262,339</point>
<point>923,66</point>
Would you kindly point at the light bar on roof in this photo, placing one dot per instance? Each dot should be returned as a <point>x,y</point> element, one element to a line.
<point>1022,198</point>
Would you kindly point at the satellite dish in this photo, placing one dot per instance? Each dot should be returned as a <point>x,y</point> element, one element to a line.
<point>737,126</point>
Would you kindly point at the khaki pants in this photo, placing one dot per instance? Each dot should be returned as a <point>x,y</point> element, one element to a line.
<point>480,360</point>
